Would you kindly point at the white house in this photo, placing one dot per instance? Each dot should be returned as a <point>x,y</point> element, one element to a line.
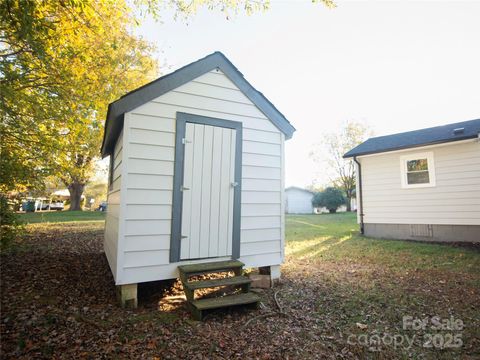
<point>298,200</point>
<point>421,185</point>
<point>197,159</point>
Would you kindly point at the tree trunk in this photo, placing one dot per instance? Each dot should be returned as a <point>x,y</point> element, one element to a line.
<point>332,211</point>
<point>349,203</point>
<point>76,191</point>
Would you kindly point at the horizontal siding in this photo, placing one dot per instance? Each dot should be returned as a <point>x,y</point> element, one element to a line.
<point>271,258</point>
<point>261,160</point>
<point>256,147</point>
<point>152,122</point>
<point>113,198</point>
<point>258,172</point>
<point>261,184</point>
<point>152,152</point>
<point>261,209</point>
<point>260,247</point>
<point>145,136</point>
<point>260,222</point>
<point>209,103</point>
<point>261,197</point>
<point>113,210</point>
<point>150,181</point>
<point>216,78</point>
<point>259,235</point>
<point>148,197</point>
<point>455,198</point>
<point>262,136</point>
<point>150,164</point>
<point>169,111</point>
<point>449,191</point>
<point>147,227</point>
<point>112,217</point>
<point>148,212</point>
<point>145,258</point>
<point>150,167</point>
<point>147,242</point>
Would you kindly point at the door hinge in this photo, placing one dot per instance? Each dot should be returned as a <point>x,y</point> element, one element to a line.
<point>183,188</point>
<point>185,141</point>
<point>183,236</point>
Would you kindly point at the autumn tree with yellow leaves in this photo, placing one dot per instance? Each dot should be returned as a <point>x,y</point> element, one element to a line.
<point>61,63</point>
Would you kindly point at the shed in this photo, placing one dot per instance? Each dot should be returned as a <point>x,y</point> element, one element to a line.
<point>421,185</point>
<point>196,175</point>
<point>298,200</point>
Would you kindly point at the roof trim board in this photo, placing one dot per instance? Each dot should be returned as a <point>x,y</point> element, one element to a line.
<point>417,138</point>
<point>156,88</point>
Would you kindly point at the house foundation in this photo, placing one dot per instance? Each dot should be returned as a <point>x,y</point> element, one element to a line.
<point>425,232</point>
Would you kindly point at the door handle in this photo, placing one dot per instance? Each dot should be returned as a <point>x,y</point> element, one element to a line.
<point>183,236</point>
<point>184,188</point>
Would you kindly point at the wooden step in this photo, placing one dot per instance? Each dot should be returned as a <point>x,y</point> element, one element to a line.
<point>204,284</point>
<point>221,302</point>
<point>216,266</point>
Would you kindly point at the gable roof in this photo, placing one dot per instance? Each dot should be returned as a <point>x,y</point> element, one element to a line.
<point>298,188</point>
<point>417,138</point>
<point>164,84</point>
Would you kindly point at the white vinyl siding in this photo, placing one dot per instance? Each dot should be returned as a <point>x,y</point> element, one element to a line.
<point>149,157</point>
<point>112,219</point>
<point>298,201</point>
<point>454,200</point>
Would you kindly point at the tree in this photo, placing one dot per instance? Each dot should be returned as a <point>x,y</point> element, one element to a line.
<point>61,63</point>
<point>336,145</point>
<point>331,198</point>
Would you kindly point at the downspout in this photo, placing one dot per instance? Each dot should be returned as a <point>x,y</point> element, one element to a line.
<point>360,195</point>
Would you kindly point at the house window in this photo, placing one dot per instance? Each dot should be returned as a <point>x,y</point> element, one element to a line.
<point>417,170</point>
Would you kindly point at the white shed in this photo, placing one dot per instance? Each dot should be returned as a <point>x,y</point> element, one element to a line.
<point>197,175</point>
<point>298,200</point>
<point>421,185</point>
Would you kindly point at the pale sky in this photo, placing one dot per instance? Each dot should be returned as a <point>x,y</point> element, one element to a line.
<point>396,65</point>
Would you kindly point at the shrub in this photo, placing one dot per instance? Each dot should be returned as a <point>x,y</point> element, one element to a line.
<point>331,198</point>
<point>10,224</point>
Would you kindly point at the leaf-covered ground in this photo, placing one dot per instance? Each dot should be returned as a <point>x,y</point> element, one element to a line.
<point>58,300</point>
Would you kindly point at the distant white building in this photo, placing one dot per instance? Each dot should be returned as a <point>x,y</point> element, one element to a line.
<point>298,200</point>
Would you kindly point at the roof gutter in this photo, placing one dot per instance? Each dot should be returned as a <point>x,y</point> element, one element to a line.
<point>360,195</point>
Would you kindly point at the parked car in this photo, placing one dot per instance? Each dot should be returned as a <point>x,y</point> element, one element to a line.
<point>45,206</point>
<point>56,205</point>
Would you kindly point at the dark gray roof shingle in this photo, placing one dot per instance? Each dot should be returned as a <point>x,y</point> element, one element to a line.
<point>423,137</point>
<point>152,90</point>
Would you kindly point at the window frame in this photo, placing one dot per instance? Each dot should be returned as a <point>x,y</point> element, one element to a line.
<point>417,156</point>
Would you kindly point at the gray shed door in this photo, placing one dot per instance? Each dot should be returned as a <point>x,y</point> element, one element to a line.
<point>208,191</point>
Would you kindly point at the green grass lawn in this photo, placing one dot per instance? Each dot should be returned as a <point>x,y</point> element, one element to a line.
<point>376,282</point>
<point>61,216</point>
<point>336,237</point>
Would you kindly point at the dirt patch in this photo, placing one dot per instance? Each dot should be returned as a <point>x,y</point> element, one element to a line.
<point>58,301</point>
